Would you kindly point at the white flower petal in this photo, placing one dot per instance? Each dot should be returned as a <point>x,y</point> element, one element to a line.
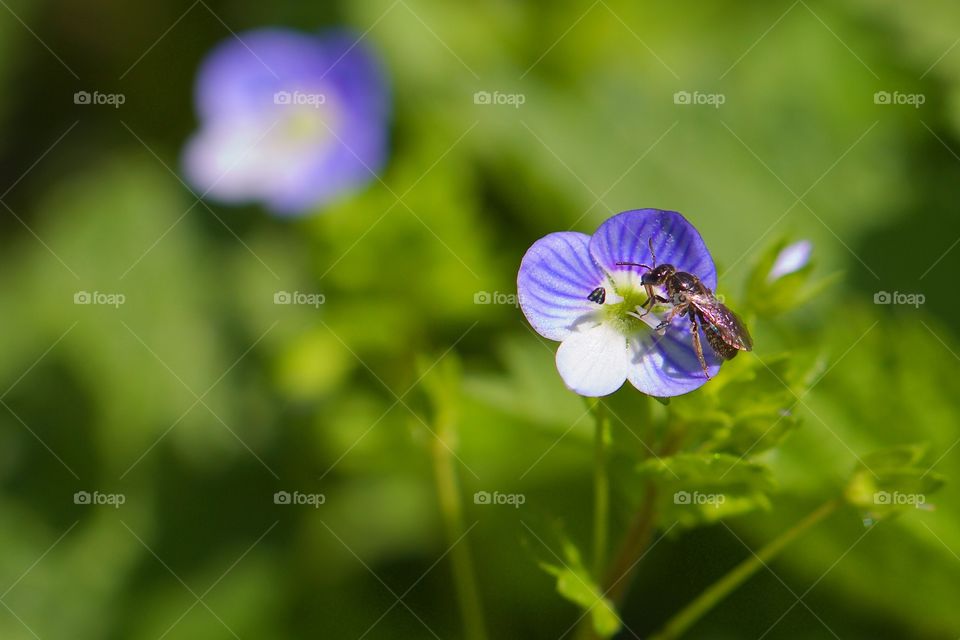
<point>593,362</point>
<point>250,159</point>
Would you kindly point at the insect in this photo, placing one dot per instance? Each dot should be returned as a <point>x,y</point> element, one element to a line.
<point>598,295</point>
<point>725,331</point>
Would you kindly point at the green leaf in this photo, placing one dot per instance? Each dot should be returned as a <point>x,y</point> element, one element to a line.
<point>906,455</point>
<point>575,584</point>
<point>747,410</point>
<point>531,389</point>
<point>695,489</point>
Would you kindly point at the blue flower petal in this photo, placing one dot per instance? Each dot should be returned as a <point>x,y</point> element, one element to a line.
<point>242,74</point>
<point>625,237</point>
<point>356,146</point>
<point>291,119</point>
<point>351,67</point>
<point>556,276</point>
<point>667,365</point>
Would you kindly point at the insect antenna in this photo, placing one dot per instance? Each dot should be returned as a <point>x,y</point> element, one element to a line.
<point>640,264</point>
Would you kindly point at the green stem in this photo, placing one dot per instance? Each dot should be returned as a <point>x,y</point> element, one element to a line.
<point>643,526</point>
<point>616,580</point>
<point>448,490</point>
<point>601,489</point>
<point>682,621</point>
<point>637,540</point>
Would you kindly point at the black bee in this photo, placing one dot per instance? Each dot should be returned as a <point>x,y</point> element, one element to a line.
<point>725,331</point>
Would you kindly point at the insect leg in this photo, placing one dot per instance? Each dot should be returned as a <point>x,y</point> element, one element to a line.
<point>675,311</point>
<point>695,332</point>
<point>652,299</point>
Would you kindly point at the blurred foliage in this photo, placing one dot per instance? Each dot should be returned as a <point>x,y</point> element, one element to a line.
<point>199,398</point>
<point>887,481</point>
<point>699,489</point>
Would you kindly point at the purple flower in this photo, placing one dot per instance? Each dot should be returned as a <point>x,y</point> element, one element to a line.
<point>288,119</point>
<point>791,258</point>
<point>602,341</point>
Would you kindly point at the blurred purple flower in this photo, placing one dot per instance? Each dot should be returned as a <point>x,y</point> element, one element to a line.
<point>791,258</point>
<point>288,119</point>
<point>601,343</point>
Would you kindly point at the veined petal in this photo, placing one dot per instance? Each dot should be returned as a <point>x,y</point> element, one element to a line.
<point>556,276</point>
<point>593,362</point>
<point>625,238</point>
<point>667,365</point>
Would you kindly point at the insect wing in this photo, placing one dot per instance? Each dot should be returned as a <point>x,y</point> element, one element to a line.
<point>727,323</point>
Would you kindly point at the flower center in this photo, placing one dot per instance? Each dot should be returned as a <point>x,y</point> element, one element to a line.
<point>306,125</point>
<point>620,314</point>
<point>305,118</point>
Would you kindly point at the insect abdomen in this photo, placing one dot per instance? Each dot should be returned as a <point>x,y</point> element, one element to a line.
<point>716,341</point>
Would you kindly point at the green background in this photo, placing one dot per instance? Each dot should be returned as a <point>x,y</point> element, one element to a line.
<point>199,398</point>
